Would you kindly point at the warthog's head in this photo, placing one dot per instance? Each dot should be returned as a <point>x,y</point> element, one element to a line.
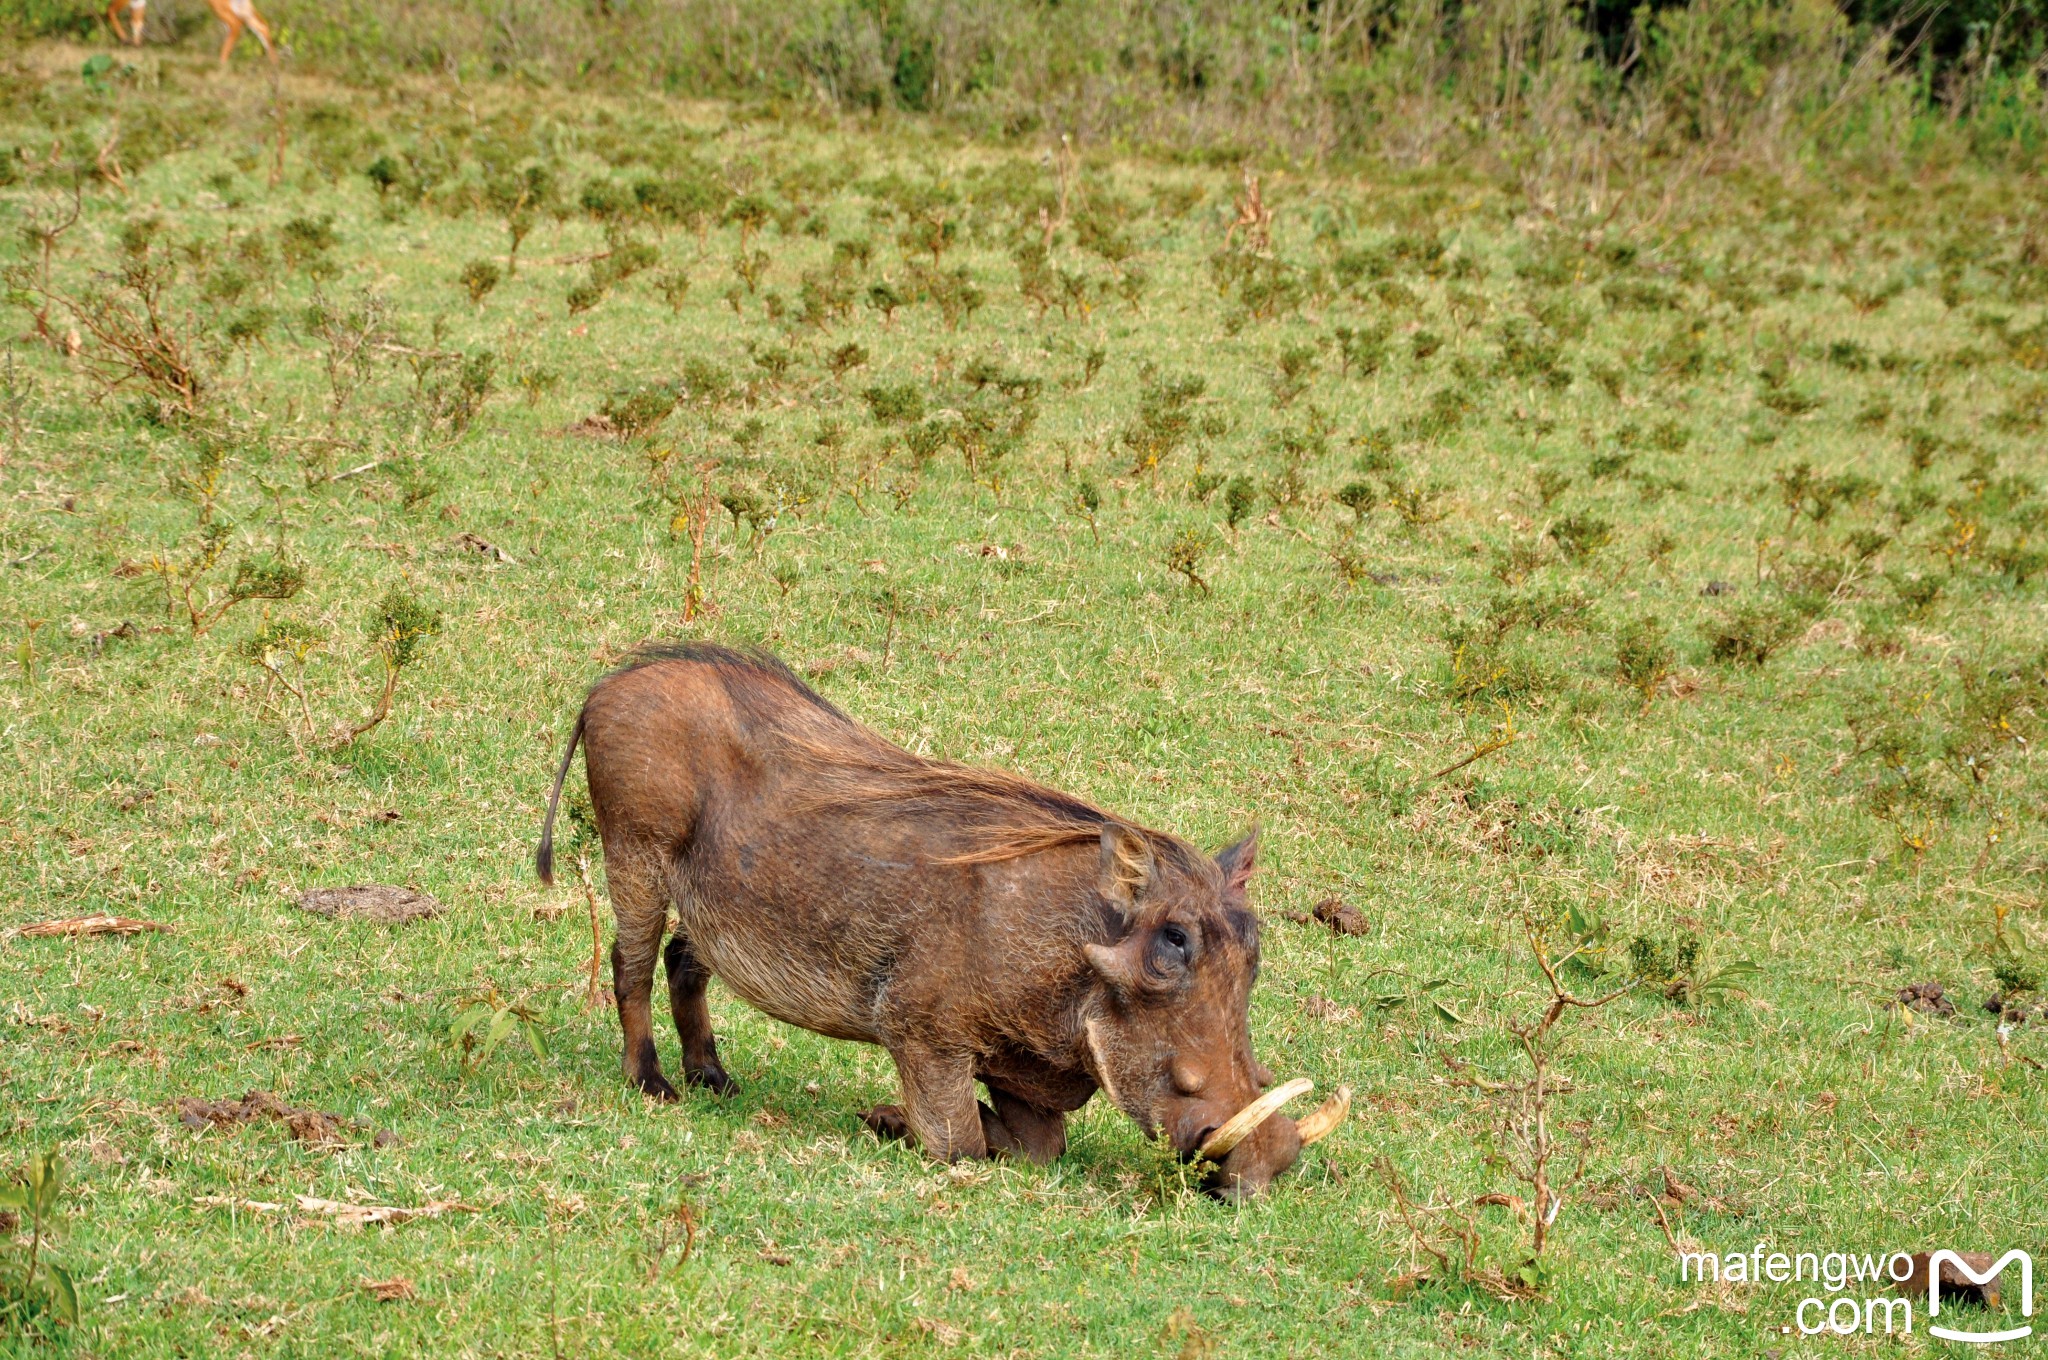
<point>1169,1034</point>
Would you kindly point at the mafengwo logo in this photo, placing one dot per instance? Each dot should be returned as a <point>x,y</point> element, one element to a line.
<point>1962,1268</point>
<point>1898,1277</point>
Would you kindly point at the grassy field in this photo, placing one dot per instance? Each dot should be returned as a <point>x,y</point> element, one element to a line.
<point>1704,511</point>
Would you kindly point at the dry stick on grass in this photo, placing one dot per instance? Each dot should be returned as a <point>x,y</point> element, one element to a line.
<point>593,989</point>
<point>277,122</point>
<point>74,926</point>
<point>684,1220</point>
<point>1508,737</point>
<point>45,239</point>
<point>698,520</point>
<point>1398,1190</point>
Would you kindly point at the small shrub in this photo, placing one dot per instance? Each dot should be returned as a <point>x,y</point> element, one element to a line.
<point>1419,504</point>
<point>1362,350</point>
<point>635,411</point>
<point>32,1285</point>
<point>478,278</point>
<point>1184,556</point>
<point>1294,370</point>
<point>1643,656</point>
<point>399,628</point>
<point>895,404</point>
<point>1750,633</point>
<point>1581,536</point>
<point>484,1019</point>
<point>1239,496</point>
<point>1165,418</point>
<point>1359,498</point>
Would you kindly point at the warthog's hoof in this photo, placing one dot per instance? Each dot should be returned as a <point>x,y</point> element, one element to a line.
<point>712,1079</point>
<point>887,1121</point>
<point>657,1086</point>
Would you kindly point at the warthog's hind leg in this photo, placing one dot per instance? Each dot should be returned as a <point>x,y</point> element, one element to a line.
<point>640,909</point>
<point>687,978</point>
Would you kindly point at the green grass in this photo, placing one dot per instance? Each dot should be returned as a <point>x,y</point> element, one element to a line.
<point>1675,365</point>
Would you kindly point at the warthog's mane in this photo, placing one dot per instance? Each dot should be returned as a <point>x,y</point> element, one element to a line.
<point>1001,816</point>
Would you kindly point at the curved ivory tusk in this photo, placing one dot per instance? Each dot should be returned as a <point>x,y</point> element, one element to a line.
<point>1326,1117</point>
<point>1240,1125</point>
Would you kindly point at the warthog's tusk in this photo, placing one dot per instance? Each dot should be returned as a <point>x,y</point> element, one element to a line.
<point>1326,1117</point>
<point>1239,1126</point>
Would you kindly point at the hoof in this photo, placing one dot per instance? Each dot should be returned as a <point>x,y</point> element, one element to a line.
<point>887,1121</point>
<point>656,1087</point>
<point>712,1079</point>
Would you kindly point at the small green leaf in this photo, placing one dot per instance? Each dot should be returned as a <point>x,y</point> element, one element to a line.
<point>467,1022</point>
<point>64,1291</point>
<point>1730,977</point>
<point>502,1024</point>
<point>13,1197</point>
<point>45,1179</point>
<point>1447,1013</point>
<point>535,1040</point>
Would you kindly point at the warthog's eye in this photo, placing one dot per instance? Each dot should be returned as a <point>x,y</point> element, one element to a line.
<point>1174,946</point>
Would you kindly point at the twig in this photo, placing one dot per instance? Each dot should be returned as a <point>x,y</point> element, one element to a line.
<point>592,987</point>
<point>699,523</point>
<point>1478,752</point>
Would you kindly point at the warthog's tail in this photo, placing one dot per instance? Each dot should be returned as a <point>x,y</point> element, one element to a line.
<point>544,857</point>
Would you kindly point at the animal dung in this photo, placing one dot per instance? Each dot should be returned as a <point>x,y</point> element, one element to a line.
<point>1341,916</point>
<point>317,1128</point>
<point>1929,998</point>
<point>372,902</point>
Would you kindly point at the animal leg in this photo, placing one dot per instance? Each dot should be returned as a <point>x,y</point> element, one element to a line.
<point>640,910</point>
<point>687,978</point>
<point>938,1110</point>
<point>262,32</point>
<point>228,45</point>
<point>1018,1128</point>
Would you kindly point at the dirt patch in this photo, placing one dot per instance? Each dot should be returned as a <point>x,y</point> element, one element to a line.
<point>593,427</point>
<point>370,902</point>
<point>316,1128</point>
<point>397,1289</point>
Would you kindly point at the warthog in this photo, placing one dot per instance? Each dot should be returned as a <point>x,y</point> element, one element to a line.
<point>980,927</point>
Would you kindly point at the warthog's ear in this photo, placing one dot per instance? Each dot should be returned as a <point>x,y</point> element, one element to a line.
<point>1126,866</point>
<point>1237,863</point>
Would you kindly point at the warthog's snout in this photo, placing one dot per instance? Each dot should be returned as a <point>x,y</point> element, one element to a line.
<point>1250,1149</point>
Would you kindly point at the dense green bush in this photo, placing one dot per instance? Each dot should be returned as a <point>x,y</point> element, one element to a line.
<point>1218,78</point>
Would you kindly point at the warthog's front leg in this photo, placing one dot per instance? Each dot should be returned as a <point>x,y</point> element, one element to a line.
<point>1017,1128</point>
<point>938,1110</point>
